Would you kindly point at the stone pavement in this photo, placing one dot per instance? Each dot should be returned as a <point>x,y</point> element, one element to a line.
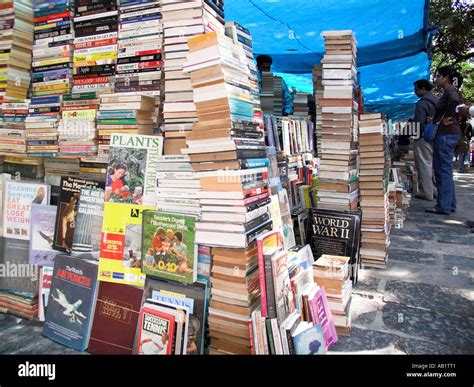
<point>421,304</point>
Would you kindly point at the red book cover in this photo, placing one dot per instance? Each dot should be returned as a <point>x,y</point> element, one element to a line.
<point>156,332</point>
<point>115,319</point>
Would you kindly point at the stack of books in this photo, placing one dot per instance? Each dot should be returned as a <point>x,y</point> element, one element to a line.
<point>300,105</point>
<point>21,304</point>
<point>318,93</point>
<point>267,93</point>
<point>123,113</point>
<point>177,186</point>
<point>52,48</point>
<point>95,46</point>
<point>77,132</point>
<point>12,126</point>
<point>182,20</point>
<point>29,168</point>
<point>16,39</point>
<point>332,273</point>
<point>204,264</point>
<point>373,191</point>
<point>42,126</point>
<point>277,95</point>
<point>338,170</point>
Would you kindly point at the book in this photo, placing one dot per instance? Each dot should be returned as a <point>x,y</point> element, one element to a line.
<point>18,198</point>
<point>168,248</point>
<point>155,332</point>
<point>285,302</point>
<point>115,319</point>
<point>310,341</point>
<point>43,218</point>
<point>120,259</point>
<point>71,304</point>
<point>45,278</point>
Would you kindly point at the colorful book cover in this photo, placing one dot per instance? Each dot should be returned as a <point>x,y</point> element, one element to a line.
<point>115,319</point>
<point>133,161</point>
<point>193,297</point>
<point>71,303</point>
<point>46,276</point>
<point>156,332</point>
<point>321,314</point>
<point>15,271</point>
<point>88,227</point>
<point>310,342</point>
<point>43,218</point>
<point>285,302</point>
<point>168,248</point>
<point>3,178</point>
<point>19,196</point>
<point>70,190</point>
<point>120,259</point>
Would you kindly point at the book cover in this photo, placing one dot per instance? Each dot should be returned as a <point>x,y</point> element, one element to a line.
<point>3,177</point>
<point>70,190</point>
<point>45,278</point>
<point>285,302</point>
<point>155,333</point>
<point>43,218</point>
<point>321,314</point>
<point>70,307</point>
<point>19,196</point>
<point>133,161</point>
<point>16,273</point>
<point>310,341</point>
<point>168,248</point>
<point>88,227</point>
<point>193,297</point>
<point>115,319</point>
<point>120,258</point>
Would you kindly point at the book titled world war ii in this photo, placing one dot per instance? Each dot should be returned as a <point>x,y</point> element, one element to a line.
<point>193,297</point>
<point>168,249</point>
<point>88,227</point>
<point>43,218</point>
<point>115,319</point>
<point>120,259</point>
<point>133,162</point>
<point>71,302</point>
<point>70,191</point>
<point>16,273</point>
<point>335,233</point>
<point>18,198</point>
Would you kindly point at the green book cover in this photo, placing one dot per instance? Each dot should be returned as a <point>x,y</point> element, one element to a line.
<point>130,121</point>
<point>269,331</point>
<point>168,248</point>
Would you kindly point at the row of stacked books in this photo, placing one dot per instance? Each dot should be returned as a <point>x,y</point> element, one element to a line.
<point>338,186</point>
<point>300,105</point>
<point>374,176</point>
<point>181,21</point>
<point>318,93</point>
<point>13,114</point>
<point>398,197</point>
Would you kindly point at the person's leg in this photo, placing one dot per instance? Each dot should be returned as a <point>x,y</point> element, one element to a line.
<point>425,158</point>
<point>447,144</point>
<point>437,170</point>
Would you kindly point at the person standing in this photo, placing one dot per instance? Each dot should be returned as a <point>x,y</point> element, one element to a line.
<point>464,145</point>
<point>446,140</point>
<point>425,110</point>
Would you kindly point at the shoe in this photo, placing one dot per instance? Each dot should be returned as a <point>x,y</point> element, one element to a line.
<point>436,211</point>
<point>423,198</point>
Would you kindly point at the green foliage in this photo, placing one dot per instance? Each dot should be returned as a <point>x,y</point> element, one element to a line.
<point>453,45</point>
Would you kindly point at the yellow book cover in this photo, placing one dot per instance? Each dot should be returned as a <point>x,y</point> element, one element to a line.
<point>50,62</point>
<point>79,114</point>
<point>94,57</point>
<point>120,248</point>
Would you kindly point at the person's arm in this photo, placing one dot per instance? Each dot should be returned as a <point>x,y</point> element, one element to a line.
<point>287,99</point>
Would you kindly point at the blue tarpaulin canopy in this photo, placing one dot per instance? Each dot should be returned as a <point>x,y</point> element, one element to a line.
<point>392,37</point>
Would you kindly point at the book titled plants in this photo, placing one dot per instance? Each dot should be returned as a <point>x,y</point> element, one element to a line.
<point>168,249</point>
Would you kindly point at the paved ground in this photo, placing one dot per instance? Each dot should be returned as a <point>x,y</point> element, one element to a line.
<point>421,304</point>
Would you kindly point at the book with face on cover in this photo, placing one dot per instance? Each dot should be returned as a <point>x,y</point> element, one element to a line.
<point>155,332</point>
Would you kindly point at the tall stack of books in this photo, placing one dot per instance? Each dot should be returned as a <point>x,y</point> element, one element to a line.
<point>182,20</point>
<point>77,133</point>
<point>12,126</point>
<point>332,273</point>
<point>277,95</point>
<point>234,196</point>
<point>177,186</point>
<point>95,46</point>
<point>267,93</point>
<point>123,113</point>
<point>318,93</point>
<point>373,191</point>
<point>16,39</point>
<point>338,171</point>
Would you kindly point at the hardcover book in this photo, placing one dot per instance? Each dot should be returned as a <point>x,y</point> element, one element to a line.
<point>71,304</point>
<point>168,248</point>
<point>42,234</point>
<point>45,278</point>
<point>88,228</point>
<point>18,198</point>
<point>310,341</point>
<point>120,258</point>
<point>70,189</point>
<point>285,301</point>
<point>115,319</point>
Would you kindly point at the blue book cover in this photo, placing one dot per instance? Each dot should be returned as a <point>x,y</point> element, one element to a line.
<point>71,303</point>
<point>310,341</point>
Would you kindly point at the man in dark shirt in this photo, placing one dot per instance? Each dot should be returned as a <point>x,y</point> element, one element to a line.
<point>447,138</point>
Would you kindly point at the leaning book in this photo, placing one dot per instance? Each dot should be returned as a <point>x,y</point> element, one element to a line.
<point>168,249</point>
<point>42,234</point>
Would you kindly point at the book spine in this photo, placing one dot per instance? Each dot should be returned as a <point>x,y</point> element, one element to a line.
<point>270,288</point>
<point>291,344</point>
<point>252,345</point>
<point>261,268</point>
